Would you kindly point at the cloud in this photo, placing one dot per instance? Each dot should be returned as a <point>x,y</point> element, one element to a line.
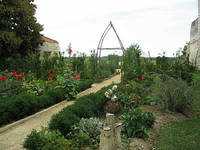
<point>155,25</point>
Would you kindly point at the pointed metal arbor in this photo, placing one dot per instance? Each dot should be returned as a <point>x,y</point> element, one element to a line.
<point>99,48</point>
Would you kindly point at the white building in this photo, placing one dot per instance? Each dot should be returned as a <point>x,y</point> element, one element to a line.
<point>194,47</point>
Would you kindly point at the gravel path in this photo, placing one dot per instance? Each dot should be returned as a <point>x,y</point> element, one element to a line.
<point>13,138</point>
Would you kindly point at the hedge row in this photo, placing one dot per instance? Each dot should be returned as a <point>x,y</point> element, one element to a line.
<point>18,107</point>
<point>84,84</point>
<point>85,107</point>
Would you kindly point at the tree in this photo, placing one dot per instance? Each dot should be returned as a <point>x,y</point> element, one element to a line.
<point>19,30</point>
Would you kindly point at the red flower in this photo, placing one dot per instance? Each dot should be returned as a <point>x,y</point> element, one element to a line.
<point>76,73</point>
<point>54,71</point>
<point>49,71</point>
<point>76,78</point>
<point>69,51</point>
<point>137,79</point>
<point>22,75</point>
<point>3,78</point>
<point>18,76</point>
<point>143,77</point>
<point>50,77</point>
<point>13,73</point>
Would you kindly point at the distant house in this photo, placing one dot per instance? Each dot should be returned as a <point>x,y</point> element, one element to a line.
<point>51,46</point>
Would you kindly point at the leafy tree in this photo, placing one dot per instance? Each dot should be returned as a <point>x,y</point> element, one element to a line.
<point>19,30</point>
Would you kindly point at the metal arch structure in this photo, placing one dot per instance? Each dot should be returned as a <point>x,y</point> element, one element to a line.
<point>99,48</point>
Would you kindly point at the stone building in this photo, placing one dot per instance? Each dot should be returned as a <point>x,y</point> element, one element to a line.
<point>49,46</point>
<point>194,46</point>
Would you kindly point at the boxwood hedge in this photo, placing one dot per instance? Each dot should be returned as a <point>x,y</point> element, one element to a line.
<point>85,107</point>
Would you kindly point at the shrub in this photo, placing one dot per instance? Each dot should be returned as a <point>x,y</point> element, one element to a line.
<point>148,100</point>
<point>85,133</point>
<point>45,140</point>
<point>63,121</point>
<point>85,84</point>
<point>87,106</point>
<point>136,123</point>
<point>174,95</point>
<point>18,107</point>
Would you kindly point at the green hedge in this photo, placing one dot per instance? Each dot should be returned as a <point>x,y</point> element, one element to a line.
<point>18,107</point>
<point>85,107</point>
<point>84,84</point>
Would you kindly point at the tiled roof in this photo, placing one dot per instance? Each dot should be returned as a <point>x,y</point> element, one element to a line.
<point>48,40</point>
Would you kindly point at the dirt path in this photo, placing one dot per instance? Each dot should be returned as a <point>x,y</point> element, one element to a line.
<point>13,138</point>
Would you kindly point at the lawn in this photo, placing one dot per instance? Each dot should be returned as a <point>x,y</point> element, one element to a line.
<point>184,135</point>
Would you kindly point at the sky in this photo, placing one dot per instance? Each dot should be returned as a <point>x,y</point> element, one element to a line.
<point>157,26</point>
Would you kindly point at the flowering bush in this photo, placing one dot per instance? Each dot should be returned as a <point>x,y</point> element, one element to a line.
<point>10,84</point>
<point>110,93</point>
<point>68,82</point>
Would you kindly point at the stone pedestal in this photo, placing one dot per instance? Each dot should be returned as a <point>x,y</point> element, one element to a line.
<point>110,138</point>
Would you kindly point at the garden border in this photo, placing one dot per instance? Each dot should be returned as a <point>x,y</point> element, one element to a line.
<point>9,126</point>
<point>16,123</point>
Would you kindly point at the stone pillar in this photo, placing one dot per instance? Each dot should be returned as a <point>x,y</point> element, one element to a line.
<point>110,138</point>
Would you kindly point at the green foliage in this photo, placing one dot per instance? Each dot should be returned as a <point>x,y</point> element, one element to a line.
<point>136,123</point>
<point>67,82</point>
<point>80,140</point>
<point>87,106</point>
<point>19,30</point>
<point>180,135</point>
<point>132,63</point>
<point>148,100</point>
<point>45,140</point>
<point>174,95</point>
<point>85,133</point>
<point>63,121</point>
<point>84,84</point>
<point>18,107</point>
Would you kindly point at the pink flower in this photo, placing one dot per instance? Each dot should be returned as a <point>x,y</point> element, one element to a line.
<point>69,51</point>
<point>49,71</point>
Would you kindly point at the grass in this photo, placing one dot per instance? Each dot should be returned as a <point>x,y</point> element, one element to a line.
<point>184,135</point>
<point>196,93</point>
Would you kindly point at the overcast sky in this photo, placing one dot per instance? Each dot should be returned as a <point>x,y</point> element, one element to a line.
<point>156,25</point>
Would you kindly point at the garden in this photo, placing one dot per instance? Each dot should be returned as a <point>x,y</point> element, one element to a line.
<point>157,101</point>
<point>40,83</point>
<point>163,89</point>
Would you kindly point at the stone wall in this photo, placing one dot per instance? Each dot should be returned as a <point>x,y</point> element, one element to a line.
<point>195,43</point>
<point>52,48</point>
